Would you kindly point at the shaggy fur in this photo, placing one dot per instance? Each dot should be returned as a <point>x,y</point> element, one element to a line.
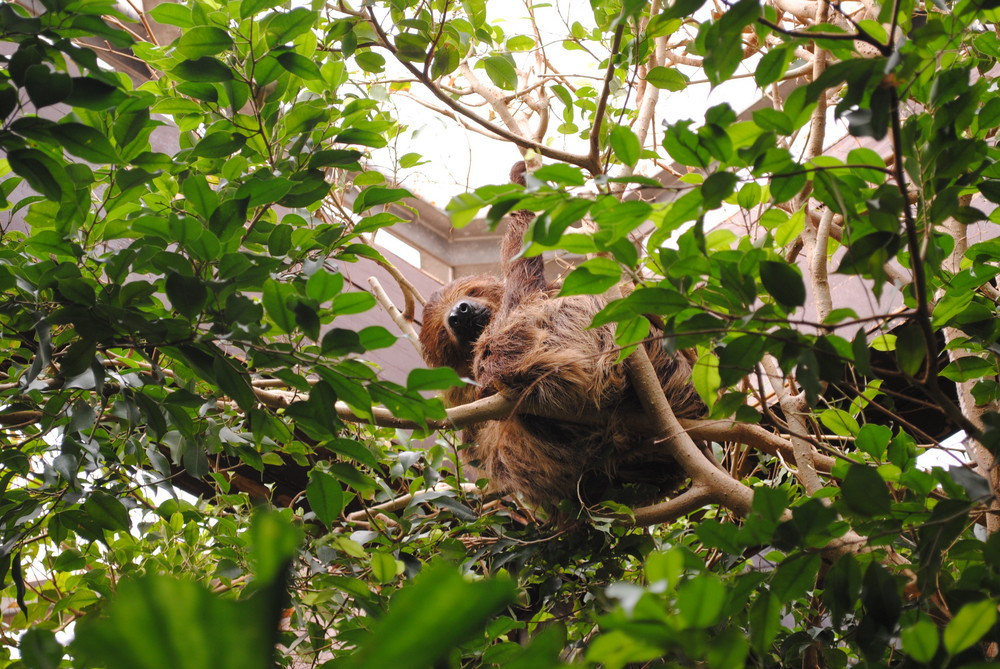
<point>541,348</point>
<point>447,346</point>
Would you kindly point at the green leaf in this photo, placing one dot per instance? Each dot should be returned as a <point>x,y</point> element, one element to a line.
<point>706,379</point>
<point>772,66</point>
<point>795,577</point>
<point>375,337</point>
<point>234,382</point>
<point>376,195</point>
<point>326,497</point>
<point>350,475</point>
<point>299,65</point>
<point>501,72</point>
<point>274,543</point>
<point>446,60</point>
<point>334,157</point>
<point>920,640</point>
<point>873,439</point>
<point>667,78</point>
<point>969,625</point>
<point>41,172</point>
<point>783,282</point>
<point>158,622</point>
<point>439,378</point>
<point>616,649</point>
<point>107,512</point>
<point>681,9</point>
<point>205,68</point>
<point>85,142</point>
<point>187,294</point>
<point>774,120</point>
<point>716,534</point>
<point>263,188</point>
<point>430,617</point>
<point>560,173</point>
<point>199,195</point>
<point>362,137</point>
<point>172,14</point>
<point>323,285</point>
<point>865,493</point>
<point>592,277</point>
<point>40,649</point>
<point>383,567</point>
<point>286,26</point>
<point>625,144</point>
<point>765,621</point>
<point>252,7</point>
<point>203,41</point>
<point>717,187</point>
<point>841,587</point>
<point>840,422</point>
<point>685,146</point>
<point>629,333</point>
<point>701,599</point>
<point>520,43</point>
<point>275,297</point>
<point>45,87</point>
<point>219,145</point>
<point>349,391</point>
<point>369,61</point>
<point>968,368</point>
<point>352,303</point>
<point>411,47</point>
<point>910,349</point>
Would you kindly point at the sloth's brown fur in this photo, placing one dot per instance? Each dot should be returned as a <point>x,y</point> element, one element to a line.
<point>441,346</point>
<point>540,348</point>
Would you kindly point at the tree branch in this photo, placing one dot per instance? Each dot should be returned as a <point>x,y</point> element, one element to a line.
<point>602,102</point>
<point>404,324</point>
<point>500,131</point>
<point>695,497</point>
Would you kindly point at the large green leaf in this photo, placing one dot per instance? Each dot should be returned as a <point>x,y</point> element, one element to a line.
<point>865,492</point>
<point>429,617</point>
<point>969,625</point>
<point>203,41</point>
<point>783,282</point>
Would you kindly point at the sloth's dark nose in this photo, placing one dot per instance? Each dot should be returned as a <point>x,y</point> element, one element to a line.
<point>459,313</point>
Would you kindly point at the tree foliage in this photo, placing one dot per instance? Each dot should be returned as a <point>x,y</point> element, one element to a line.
<point>173,316</point>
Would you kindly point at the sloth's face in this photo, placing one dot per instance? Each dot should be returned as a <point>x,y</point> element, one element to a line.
<point>467,320</point>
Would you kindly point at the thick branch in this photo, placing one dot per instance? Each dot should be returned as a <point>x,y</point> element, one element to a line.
<point>819,239</point>
<point>666,512</point>
<point>793,407</point>
<point>726,490</point>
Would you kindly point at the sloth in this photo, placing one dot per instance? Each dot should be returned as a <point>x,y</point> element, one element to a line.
<point>454,318</point>
<point>517,338</point>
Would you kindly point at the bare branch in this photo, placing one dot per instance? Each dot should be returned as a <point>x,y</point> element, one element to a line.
<point>518,139</point>
<point>817,240</point>
<point>404,324</point>
<point>403,501</point>
<point>602,101</point>
<point>410,292</point>
<point>794,407</point>
<point>666,512</point>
